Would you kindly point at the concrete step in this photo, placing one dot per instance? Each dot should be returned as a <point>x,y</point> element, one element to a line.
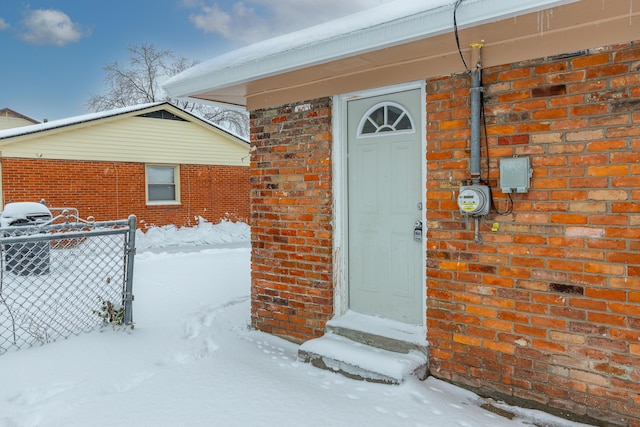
<point>370,349</point>
<point>362,362</point>
<point>381,333</point>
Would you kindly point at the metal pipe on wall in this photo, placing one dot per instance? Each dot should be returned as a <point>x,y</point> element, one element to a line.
<point>476,107</point>
<point>476,88</point>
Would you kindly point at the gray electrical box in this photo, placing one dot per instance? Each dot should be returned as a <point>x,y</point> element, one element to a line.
<point>515,174</point>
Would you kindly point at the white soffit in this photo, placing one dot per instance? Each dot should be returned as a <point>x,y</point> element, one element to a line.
<point>387,25</point>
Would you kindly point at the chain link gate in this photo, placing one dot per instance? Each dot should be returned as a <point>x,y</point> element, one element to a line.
<point>58,280</point>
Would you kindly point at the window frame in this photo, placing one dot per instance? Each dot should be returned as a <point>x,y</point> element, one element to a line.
<point>176,184</point>
<point>385,105</point>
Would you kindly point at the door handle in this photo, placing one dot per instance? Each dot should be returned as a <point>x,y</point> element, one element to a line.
<point>417,231</point>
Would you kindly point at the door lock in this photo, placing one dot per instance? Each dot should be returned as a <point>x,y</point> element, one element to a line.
<point>417,231</point>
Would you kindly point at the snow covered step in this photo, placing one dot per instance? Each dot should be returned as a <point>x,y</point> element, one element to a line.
<point>378,332</point>
<point>361,361</point>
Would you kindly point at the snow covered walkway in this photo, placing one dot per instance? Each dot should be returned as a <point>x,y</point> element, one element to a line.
<point>193,361</point>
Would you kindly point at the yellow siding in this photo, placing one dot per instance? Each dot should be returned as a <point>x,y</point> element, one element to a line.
<point>13,122</point>
<point>133,139</point>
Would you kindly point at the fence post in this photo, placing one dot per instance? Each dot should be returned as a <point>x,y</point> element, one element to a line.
<point>128,285</point>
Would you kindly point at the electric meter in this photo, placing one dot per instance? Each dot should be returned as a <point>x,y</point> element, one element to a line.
<point>474,200</point>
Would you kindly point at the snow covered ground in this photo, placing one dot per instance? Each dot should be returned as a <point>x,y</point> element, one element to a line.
<point>193,361</point>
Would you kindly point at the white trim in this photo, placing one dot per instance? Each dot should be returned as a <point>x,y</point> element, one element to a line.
<point>176,184</point>
<point>340,203</point>
<point>381,27</point>
<point>340,196</point>
<point>423,129</point>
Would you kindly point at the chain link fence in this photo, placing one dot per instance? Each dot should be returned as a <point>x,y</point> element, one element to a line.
<point>59,280</point>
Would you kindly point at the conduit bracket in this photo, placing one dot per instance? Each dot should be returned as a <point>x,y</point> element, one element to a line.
<point>476,54</point>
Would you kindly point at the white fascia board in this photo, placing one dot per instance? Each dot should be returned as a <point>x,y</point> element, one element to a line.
<point>388,25</point>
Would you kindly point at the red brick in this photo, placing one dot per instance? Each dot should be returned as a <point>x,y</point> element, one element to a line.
<point>575,228</point>
<point>500,347</point>
<point>616,170</point>
<point>626,55</point>
<point>591,60</point>
<point>551,67</point>
<point>566,77</point>
<point>548,346</point>
<point>607,70</point>
<point>513,140</point>
<point>569,219</point>
<point>620,308</point>
<point>107,190</point>
<point>588,110</point>
<point>550,114</point>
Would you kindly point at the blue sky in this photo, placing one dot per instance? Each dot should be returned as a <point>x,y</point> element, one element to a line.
<point>53,51</point>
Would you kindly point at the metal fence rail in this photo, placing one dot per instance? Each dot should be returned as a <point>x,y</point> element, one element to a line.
<point>58,280</point>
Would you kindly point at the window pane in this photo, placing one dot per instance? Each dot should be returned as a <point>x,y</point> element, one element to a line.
<point>162,185</point>
<point>369,127</point>
<point>378,116</point>
<point>162,192</point>
<point>404,123</point>
<point>393,114</point>
<point>160,175</point>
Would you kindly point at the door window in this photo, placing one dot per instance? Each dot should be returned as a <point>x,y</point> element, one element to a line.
<point>384,118</point>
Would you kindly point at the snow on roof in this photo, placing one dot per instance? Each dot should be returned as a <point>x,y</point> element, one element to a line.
<point>25,130</point>
<point>387,25</point>
<point>40,127</point>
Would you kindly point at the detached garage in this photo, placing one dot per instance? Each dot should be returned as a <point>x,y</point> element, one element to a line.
<point>156,161</point>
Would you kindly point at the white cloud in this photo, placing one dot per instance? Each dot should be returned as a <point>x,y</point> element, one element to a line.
<point>4,25</point>
<point>253,20</point>
<point>51,27</point>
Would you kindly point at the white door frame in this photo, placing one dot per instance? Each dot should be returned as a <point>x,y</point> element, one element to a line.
<point>340,196</point>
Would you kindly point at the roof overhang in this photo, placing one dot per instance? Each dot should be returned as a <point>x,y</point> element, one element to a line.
<point>406,44</point>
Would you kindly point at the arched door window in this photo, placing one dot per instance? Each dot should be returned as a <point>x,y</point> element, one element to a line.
<point>385,117</point>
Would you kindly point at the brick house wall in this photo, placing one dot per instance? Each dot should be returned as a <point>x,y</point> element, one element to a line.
<point>547,309</point>
<point>114,190</point>
<point>545,312</point>
<point>291,200</point>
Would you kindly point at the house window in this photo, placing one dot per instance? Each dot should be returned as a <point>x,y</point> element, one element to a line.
<point>163,184</point>
<point>383,118</point>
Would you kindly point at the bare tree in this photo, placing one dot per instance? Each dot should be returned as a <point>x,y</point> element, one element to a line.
<point>139,82</point>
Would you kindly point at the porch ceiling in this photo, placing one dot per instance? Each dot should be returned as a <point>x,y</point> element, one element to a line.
<point>564,28</point>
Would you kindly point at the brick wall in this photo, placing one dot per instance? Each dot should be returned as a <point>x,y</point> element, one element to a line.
<point>114,190</point>
<point>547,308</point>
<point>291,279</point>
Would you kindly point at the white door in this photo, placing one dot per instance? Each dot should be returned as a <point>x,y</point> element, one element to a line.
<point>385,202</point>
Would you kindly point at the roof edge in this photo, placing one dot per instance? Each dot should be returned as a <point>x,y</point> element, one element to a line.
<point>86,118</point>
<point>315,46</point>
<point>75,120</point>
<point>8,112</point>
